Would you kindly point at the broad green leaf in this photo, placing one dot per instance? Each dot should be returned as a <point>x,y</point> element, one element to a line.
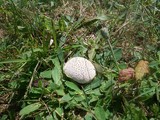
<point>96,92</point>
<point>146,94</point>
<point>1,3</point>
<point>94,84</point>
<point>91,53</point>
<point>118,54</point>
<point>98,67</point>
<point>36,90</point>
<point>46,74</point>
<point>38,117</point>
<point>79,98</point>
<point>100,113</point>
<point>66,98</point>
<point>4,117</point>
<point>13,84</point>
<point>29,108</point>
<point>88,116</point>
<point>60,92</point>
<point>73,86</point>
<point>56,72</point>
<point>49,117</point>
<point>59,111</point>
<point>93,99</point>
<point>154,64</point>
<point>106,85</point>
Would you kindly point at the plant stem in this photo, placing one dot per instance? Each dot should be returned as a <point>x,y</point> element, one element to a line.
<point>105,35</point>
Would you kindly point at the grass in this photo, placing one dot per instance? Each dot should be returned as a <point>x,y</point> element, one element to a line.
<point>32,83</point>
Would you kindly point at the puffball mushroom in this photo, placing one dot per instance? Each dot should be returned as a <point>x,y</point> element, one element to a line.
<point>80,70</point>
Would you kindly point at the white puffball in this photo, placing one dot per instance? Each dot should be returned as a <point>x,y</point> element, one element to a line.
<point>80,70</point>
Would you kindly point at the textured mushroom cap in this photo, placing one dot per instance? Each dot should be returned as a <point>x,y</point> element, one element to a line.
<point>80,70</point>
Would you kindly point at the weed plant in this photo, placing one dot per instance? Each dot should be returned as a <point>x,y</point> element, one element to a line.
<point>32,83</point>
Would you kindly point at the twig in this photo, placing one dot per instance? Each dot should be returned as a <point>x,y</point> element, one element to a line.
<point>31,81</point>
<point>124,24</point>
<point>47,108</point>
<point>19,70</point>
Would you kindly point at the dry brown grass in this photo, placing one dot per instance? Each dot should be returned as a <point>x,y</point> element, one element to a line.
<point>76,9</point>
<point>1,33</point>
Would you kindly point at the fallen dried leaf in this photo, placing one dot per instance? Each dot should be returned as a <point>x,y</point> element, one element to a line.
<point>141,69</point>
